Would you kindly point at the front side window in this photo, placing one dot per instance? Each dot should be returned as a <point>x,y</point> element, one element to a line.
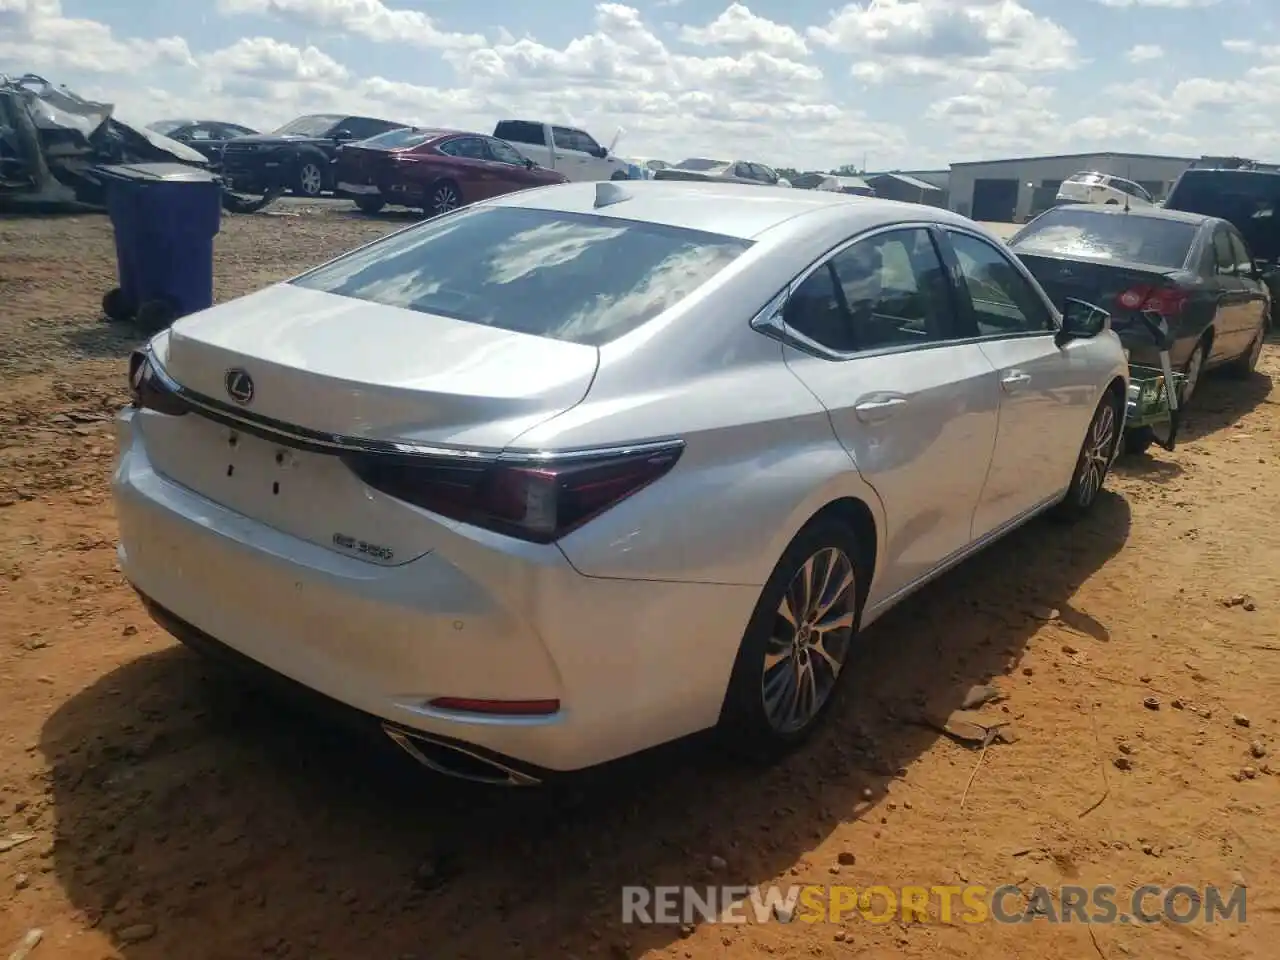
<point>1004,302</point>
<point>504,153</point>
<point>567,138</point>
<point>568,276</point>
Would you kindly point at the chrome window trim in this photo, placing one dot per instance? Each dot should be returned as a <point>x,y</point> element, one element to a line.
<point>333,443</point>
<point>769,320</point>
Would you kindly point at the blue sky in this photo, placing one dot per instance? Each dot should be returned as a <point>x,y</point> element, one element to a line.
<point>805,83</point>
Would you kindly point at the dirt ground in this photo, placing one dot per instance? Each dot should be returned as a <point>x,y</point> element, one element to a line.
<point>152,807</point>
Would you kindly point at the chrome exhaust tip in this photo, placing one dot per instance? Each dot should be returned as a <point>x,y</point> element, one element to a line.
<point>452,760</point>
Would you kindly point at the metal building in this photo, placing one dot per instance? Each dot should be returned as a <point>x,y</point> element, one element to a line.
<point>903,186</point>
<point>1012,191</point>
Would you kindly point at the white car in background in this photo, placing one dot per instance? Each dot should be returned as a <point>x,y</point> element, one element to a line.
<point>575,471</point>
<point>567,150</point>
<point>1105,189</point>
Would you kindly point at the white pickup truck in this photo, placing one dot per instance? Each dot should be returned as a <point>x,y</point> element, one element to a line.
<point>566,150</point>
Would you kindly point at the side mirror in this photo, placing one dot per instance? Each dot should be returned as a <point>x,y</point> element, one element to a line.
<point>529,164</point>
<point>343,135</point>
<point>1081,320</point>
<point>600,152</point>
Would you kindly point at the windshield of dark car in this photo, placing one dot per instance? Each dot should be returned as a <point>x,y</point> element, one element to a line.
<point>1077,231</point>
<point>400,139</point>
<point>316,125</point>
<point>569,276</point>
<point>1246,199</point>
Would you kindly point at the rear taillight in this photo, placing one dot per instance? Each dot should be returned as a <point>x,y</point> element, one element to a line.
<point>150,390</point>
<point>1166,301</point>
<point>535,499</point>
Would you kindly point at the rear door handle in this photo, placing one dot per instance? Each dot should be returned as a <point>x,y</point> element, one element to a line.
<point>1013,380</point>
<point>879,407</point>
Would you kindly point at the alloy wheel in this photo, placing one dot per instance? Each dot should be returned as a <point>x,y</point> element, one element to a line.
<point>444,199</point>
<point>813,629</point>
<point>310,179</point>
<point>1095,458</point>
<point>1195,365</point>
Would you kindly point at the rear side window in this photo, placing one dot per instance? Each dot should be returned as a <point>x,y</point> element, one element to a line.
<point>889,290</point>
<point>520,131</point>
<point>1224,259</point>
<point>1240,252</point>
<point>576,277</point>
<point>1075,231</point>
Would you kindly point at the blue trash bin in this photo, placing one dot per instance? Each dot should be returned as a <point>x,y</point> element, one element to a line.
<point>165,217</point>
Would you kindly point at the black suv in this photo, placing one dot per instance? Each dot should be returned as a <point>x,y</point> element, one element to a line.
<point>298,157</point>
<point>1246,195</point>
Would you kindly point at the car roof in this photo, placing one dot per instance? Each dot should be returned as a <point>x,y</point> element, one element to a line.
<point>745,211</point>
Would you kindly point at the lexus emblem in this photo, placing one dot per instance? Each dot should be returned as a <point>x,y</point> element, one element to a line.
<point>239,385</point>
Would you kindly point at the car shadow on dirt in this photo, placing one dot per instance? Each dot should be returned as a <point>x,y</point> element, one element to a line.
<point>103,341</point>
<point>1221,401</point>
<point>202,818</point>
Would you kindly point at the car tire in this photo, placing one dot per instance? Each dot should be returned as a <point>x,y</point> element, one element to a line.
<point>619,175</point>
<point>309,181</point>
<point>445,195</point>
<point>1138,441</point>
<point>370,205</point>
<point>1097,451</point>
<point>781,664</point>
<point>1243,366</point>
<point>1193,370</point>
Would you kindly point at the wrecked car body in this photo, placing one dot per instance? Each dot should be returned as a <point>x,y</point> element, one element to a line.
<point>51,141</point>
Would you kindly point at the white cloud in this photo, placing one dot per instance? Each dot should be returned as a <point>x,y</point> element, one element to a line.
<point>934,38</point>
<point>36,32</point>
<point>1253,49</point>
<point>739,27</point>
<point>1160,4</point>
<point>734,85</point>
<point>371,19</point>
<point>1143,52</point>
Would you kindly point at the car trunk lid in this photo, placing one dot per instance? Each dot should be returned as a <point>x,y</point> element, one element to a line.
<point>330,373</point>
<point>1113,285</point>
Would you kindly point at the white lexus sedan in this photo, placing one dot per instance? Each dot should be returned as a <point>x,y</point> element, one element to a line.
<point>579,470</point>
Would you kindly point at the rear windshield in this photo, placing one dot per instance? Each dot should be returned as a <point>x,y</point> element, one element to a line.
<point>697,163</point>
<point>576,277</point>
<point>1075,231</point>
<point>400,139</point>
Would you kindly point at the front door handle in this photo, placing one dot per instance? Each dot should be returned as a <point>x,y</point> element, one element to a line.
<point>1014,380</point>
<point>879,407</point>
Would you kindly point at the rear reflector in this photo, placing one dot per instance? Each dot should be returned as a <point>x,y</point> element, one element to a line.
<point>1166,301</point>
<point>497,708</point>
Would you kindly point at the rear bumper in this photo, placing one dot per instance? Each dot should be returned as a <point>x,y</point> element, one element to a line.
<point>633,663</point>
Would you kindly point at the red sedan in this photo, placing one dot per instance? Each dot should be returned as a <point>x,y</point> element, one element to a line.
<point>435,170</point>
